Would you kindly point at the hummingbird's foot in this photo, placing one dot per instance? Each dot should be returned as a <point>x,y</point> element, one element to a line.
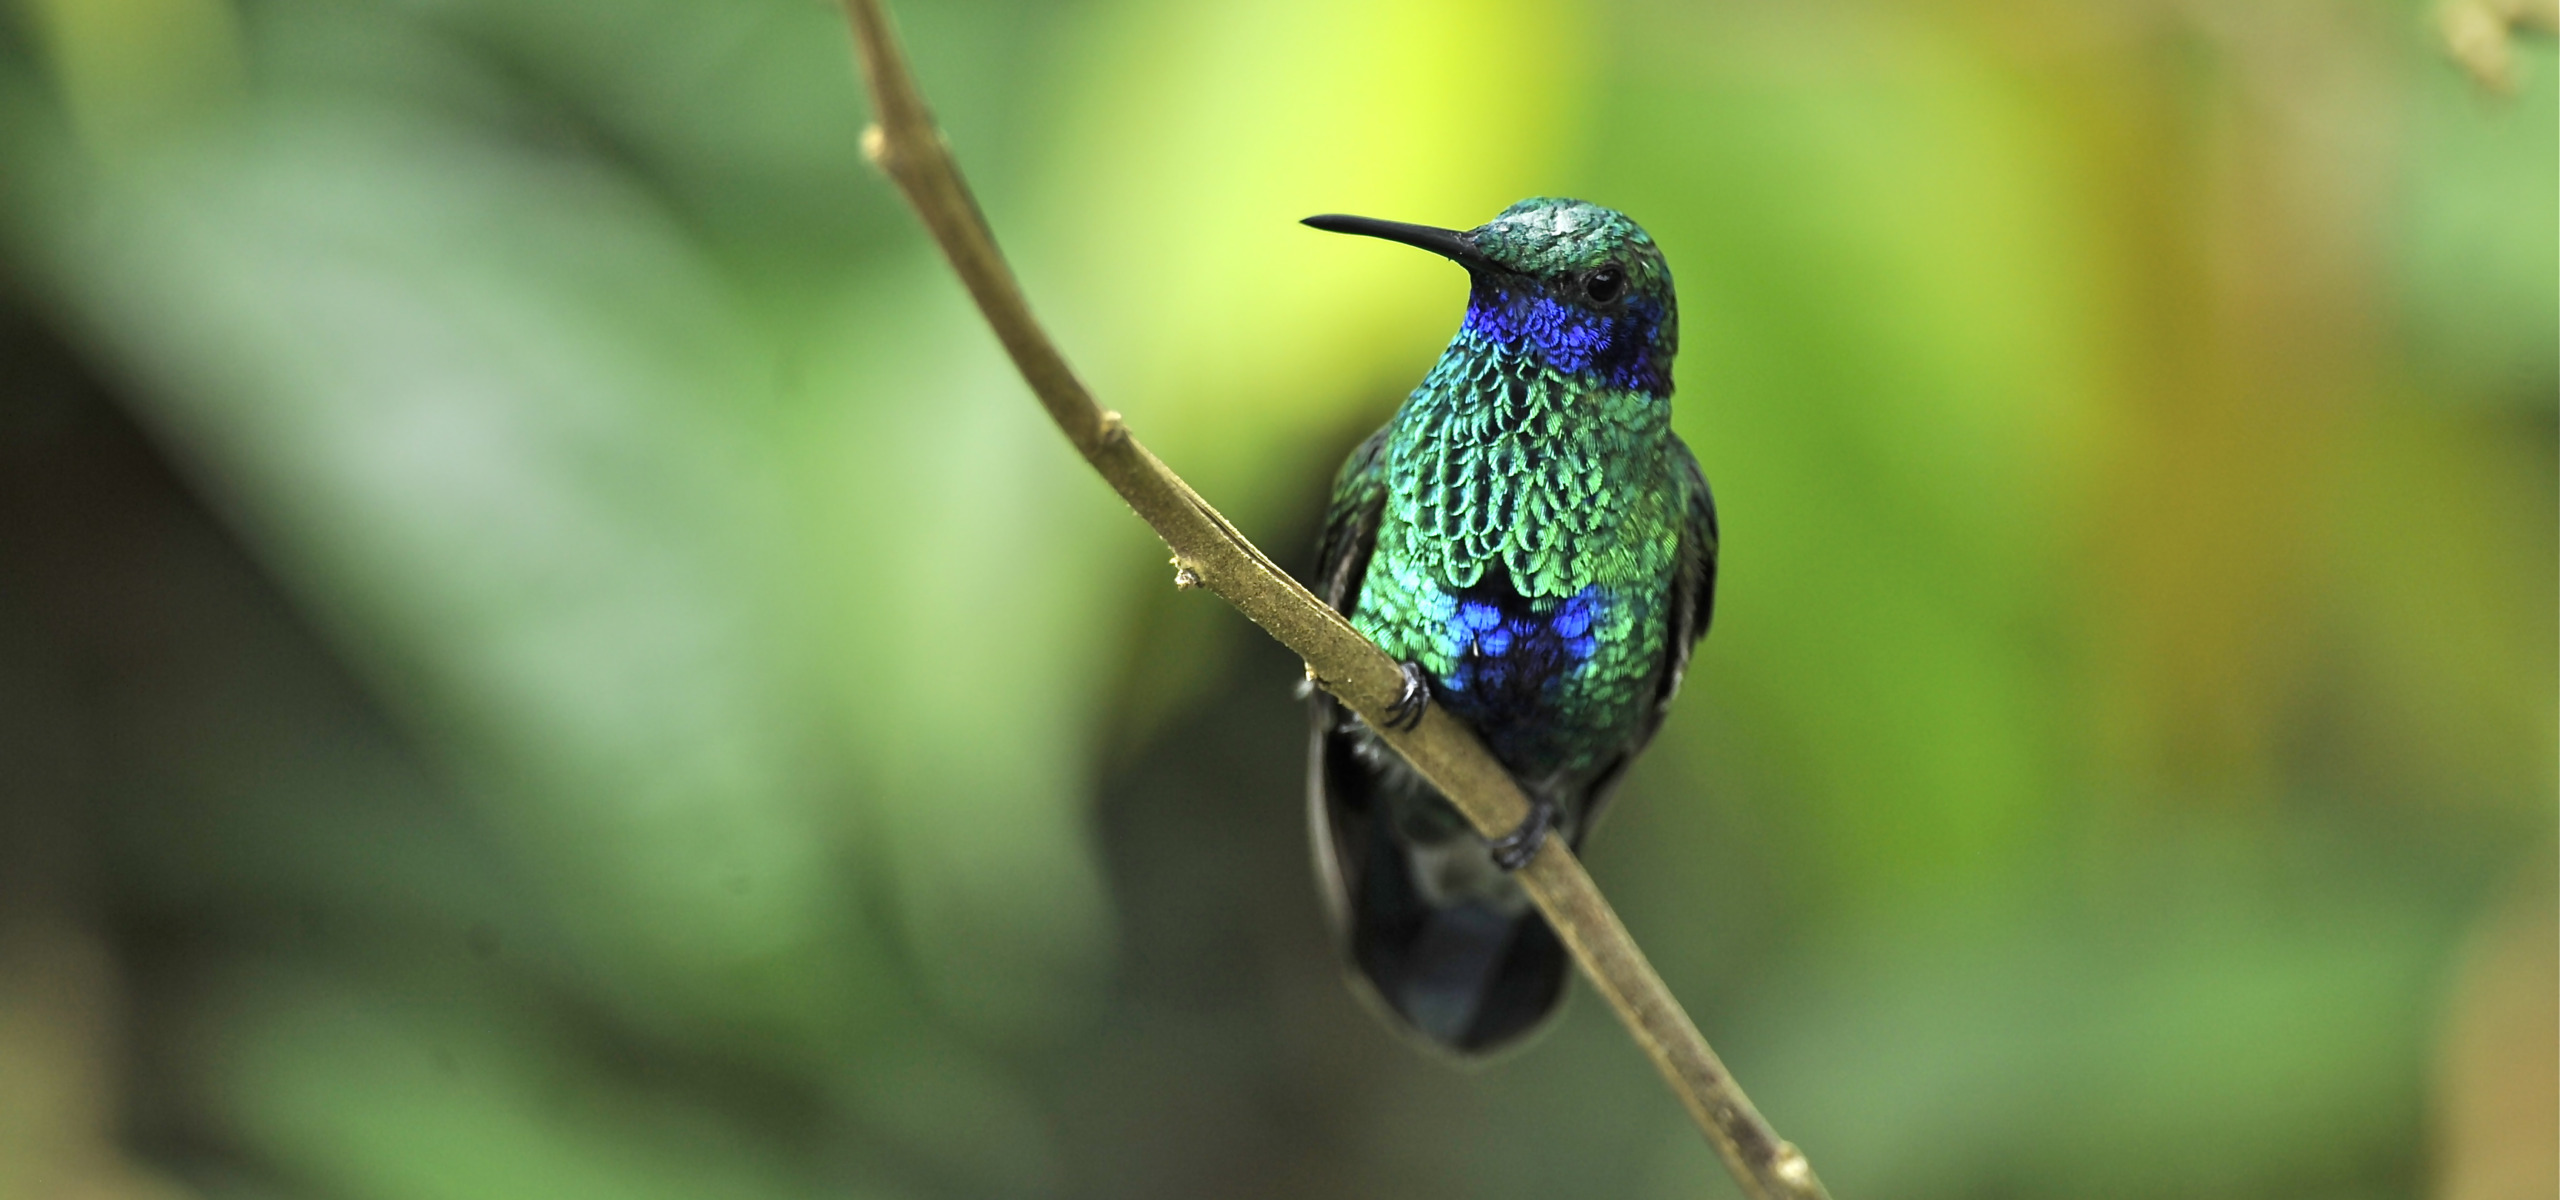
<point>1513,850</point>
<point>1406,711</point>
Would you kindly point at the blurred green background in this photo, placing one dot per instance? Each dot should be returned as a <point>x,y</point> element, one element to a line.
<point>544,653</point>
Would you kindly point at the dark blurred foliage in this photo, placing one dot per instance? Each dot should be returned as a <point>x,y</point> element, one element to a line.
<point>543,652</point>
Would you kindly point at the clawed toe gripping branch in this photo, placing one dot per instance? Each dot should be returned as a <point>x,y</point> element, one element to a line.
<point>1406,712</point>
<point>1211,554</point>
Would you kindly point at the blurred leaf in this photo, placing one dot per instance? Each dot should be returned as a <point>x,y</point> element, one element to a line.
<point>949,529</point>
<point>2480,228</point>
<point>59,1059</point>
<point>427,1093</point>
<point>2496,1103</point>
<point>2193,1036</point>
<point>471,400</point>
<point>1887,375</point>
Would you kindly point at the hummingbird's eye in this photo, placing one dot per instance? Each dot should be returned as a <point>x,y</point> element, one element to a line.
<point>1604,284</point>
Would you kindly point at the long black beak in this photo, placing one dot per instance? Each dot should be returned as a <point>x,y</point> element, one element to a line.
<point>1447,243</point>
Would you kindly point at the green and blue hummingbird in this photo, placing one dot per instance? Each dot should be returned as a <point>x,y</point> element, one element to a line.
<point>1531,541</point>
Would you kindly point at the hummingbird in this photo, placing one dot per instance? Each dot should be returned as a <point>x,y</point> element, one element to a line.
<point>1536,548</point>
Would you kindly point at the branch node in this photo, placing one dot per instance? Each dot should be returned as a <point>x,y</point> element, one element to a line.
<point>875,145</point>
<point>1790,1166</point>
<point>1114,430</point>
<point>1186,575</point>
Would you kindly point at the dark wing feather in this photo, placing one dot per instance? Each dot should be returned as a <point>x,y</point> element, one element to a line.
<point>1338,800</point>
<point>1693,586</point>
<point>1351,524</point>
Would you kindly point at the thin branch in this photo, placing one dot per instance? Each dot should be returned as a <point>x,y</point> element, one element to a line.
<point>1208,552</point>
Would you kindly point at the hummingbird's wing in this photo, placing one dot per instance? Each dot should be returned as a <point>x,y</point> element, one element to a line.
<point>1351,524</point>
<point>1338,803</point>
<point>1692,607</point>
<point>1693,584</point>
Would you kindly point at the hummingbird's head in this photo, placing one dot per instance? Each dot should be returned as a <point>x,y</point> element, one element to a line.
<point>1577,286</point>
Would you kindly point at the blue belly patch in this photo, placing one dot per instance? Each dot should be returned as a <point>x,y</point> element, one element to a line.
<point>1510,649</point>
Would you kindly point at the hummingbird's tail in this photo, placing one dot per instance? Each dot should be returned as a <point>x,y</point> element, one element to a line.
<point>1473,975</point>
<point>1446,941</point>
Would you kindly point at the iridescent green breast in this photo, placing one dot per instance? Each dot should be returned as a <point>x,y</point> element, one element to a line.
<point>1525,553</point>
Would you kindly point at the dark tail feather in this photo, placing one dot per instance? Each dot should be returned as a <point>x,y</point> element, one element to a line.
<point>1466,975</point>
<point>1471,975</point>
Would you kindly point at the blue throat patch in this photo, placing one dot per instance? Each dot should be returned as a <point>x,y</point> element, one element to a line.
<point>1572,340</point>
